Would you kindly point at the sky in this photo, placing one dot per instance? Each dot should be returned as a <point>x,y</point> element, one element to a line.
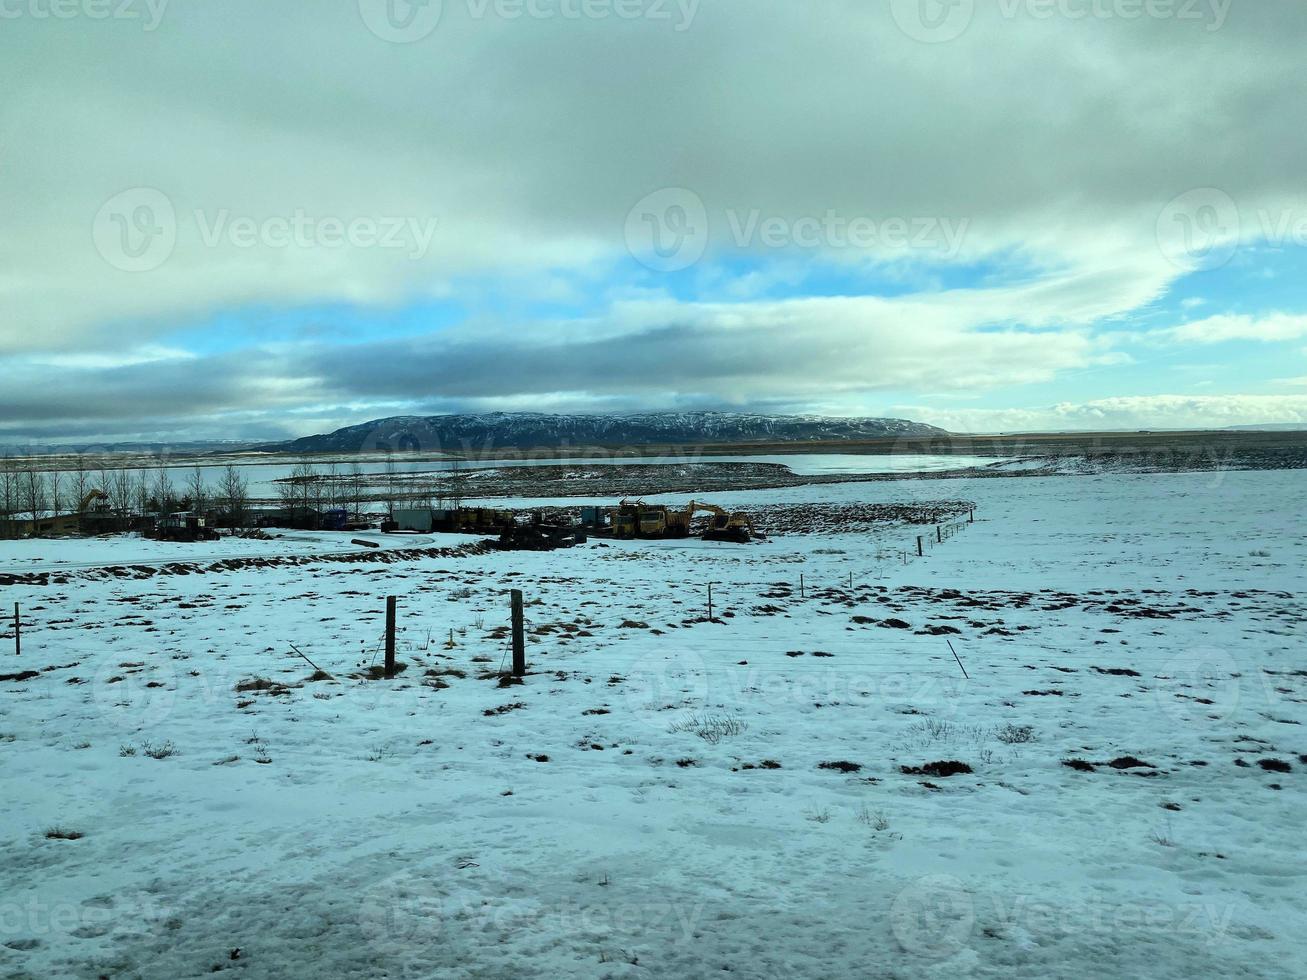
<point>256,220</point>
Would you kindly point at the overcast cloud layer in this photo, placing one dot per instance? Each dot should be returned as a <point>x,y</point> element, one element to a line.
<point>251,219</point>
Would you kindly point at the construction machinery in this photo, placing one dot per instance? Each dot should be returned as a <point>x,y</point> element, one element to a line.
<point>95,496</point>
<point>724,526</point>
<point>636,519</point>
<point>183,527</point>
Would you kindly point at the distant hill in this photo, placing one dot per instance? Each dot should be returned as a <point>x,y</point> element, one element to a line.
<point>530,430</point>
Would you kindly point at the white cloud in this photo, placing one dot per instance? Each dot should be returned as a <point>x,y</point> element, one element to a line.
<point>529,171</point>
<point>528,167</point>
<point>1133,412</point>
<point>1220,329</point>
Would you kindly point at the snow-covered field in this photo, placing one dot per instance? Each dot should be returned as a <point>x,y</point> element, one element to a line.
<point>55,554</point>
<point>668,796</point>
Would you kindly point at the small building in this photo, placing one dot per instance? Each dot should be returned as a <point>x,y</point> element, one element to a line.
<point>414,520</point>
<point>43,522</point>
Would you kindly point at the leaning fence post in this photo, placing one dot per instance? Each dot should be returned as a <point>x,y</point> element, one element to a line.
<point>390,637</point>
<point>519,640</point>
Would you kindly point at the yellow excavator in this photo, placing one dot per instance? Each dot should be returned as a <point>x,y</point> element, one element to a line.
<point>636,519</point>
<point>95,496</point>
<point>723,526</point>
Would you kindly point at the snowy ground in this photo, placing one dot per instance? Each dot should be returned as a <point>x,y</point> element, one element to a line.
<point>577,825</point>
<point>40,554</point>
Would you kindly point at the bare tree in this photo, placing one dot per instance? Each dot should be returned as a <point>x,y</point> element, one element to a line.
<point>356,488</point>
<point>81,480</point>
<point>298,492</point>
<point>456,482</point>
<point>392,482</point>
<point>165,493</point>
<point>235,495</point>
<point>121,496</point>
<point>141,491</point>
<point>32,494</point>
<point>56,482</point>
<point>8,495</point>
<point>197,490</point>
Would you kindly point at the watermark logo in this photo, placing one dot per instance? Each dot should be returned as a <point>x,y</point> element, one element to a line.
<point>679,13</point>
<point>407,21</point>
<point>664,688</point>
<point>1199,230</point>
<point>402,912</point>
<point>667,231</point>
<point>28,915</point>
<point>834,231</point>
<point>135,695</point>
<point>1202,684</point>
<point>136,230</point>
<point>302,230</point>
<point>1211,13</point>
<point>401,21</point>
<point>148,12</point>
<point>933,21</point>
<point>933,917</point>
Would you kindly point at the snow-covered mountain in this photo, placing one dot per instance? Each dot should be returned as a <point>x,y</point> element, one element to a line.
<point>531,430</point>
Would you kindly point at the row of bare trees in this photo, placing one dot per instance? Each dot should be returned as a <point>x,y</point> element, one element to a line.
<point>331,487</point>
<point>29,494</point>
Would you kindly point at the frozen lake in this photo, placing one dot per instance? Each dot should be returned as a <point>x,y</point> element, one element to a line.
<point>262,476</point>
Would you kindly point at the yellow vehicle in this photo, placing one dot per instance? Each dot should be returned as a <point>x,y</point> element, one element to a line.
<point>724,526</point>
<point>636,519</point>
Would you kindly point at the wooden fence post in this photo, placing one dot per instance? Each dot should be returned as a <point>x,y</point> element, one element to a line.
<point>18,628</point>
<point>972,518</point>
<point>920,553</point>
<point>519,639</point>
<point>939,534</point>
<point>710,602</point>
<point>801,595</point>
<point>390,637</point>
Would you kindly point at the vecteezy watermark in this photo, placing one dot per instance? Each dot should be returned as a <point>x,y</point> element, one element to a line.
<point>833,230</point>
<point>26,915</point>
<point>302,230</point>
<point>148,12</point>
<point>1211,13</point>
<point>408,21</point>
<point>662,689</point>
<point>137,230</point>
<point>933,21</point>
<point>1200,229</point>
<point>420,908</point>
<point>669,230</point>
<point>1200,684</point>
<point>933,917</point>
<point>135,695</point>
<point>401,21</point>
<point>939,21</point>
<point>679,14</point>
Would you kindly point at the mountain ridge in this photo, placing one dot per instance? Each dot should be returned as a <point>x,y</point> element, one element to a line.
<point>537,430</point>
